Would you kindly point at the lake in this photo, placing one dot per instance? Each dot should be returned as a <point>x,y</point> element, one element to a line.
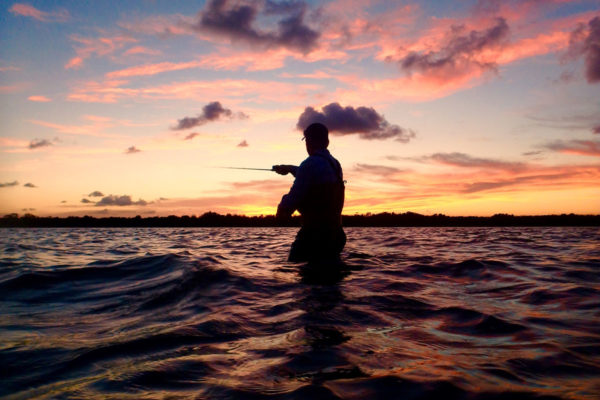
<point>415,313</point>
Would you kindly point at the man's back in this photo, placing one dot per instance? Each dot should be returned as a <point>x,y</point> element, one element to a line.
<point>318,191</point>
<point>318,194</point>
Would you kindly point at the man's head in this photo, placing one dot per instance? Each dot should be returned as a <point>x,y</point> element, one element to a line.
<point>317,137</point>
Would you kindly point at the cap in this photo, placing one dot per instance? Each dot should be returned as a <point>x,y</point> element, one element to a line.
<point>316,132</point>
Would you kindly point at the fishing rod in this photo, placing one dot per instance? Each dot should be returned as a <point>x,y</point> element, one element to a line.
<point>249,169</point>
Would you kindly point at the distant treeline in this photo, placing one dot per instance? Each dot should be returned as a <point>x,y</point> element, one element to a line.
<point>212,219</point>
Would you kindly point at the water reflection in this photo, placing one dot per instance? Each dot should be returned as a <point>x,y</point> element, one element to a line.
<point>322,301</point>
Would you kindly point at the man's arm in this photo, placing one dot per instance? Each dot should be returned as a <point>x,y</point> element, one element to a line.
<point>291,201</point>
<point>285,169</point>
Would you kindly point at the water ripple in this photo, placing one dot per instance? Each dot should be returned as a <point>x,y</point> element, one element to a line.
<point>473,313</point>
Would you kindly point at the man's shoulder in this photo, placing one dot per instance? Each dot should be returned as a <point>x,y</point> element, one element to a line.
<point>311,161</point>
<point>319,160</point>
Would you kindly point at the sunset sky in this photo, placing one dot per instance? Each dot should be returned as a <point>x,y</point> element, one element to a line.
<point>462,108</point>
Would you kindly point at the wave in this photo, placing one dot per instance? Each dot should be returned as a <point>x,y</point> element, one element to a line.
<point>467,313</point>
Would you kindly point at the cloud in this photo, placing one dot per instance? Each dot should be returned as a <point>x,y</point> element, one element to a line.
<point>459,54</point>
<point>585,41</point>
<point>9,184</point>
<point>29,185</point>
<point>516,181</point>
<point>142,50</point>
<point>99,47</point>
<point>557,120</point>
<point>124,200</point>
<point>596,129</point>
<point>26,10</point>
<point>579,147</point>
<point>152,69</point>
<point>112,91</point>
<point>364,121</point>
<point>86,201</point>
<point>238,20</point>
<point>132,150</point>
<point>39,99</point>
<point>210,112</point>
<point>9,68</point>
<point>379,170</point>
<point>17,87</point>
<point>466,161</point>
<point>96,193</point>
<point>37,143</point>
<point>191,136</point>
<point>532,153</point>
<point>243,143</point>
<point>95,128</point>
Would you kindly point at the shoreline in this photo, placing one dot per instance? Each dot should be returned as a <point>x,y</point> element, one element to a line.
<point>211,219</point>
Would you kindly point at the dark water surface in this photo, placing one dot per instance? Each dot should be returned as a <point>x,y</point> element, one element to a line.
<point>421,313</point>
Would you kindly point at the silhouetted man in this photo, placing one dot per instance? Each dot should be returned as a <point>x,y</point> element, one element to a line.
<point>318,194</point>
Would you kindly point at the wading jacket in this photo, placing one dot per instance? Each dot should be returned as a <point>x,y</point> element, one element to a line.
<point>317,192</point>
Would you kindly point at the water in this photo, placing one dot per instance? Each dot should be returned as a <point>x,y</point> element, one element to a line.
<point>476,313</point>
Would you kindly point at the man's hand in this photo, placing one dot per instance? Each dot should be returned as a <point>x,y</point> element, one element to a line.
<point>284,169</point>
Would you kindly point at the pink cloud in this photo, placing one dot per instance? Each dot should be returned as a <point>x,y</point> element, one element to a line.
<point>578,147</point>
<point>9,68</point>
<point>142,50</point>
<point>13,142</point>
<point>416,88</point>
<point>17,87</point>
<point>96,128</point>
<point>462,53</point>
<point>41,99</point>
<point>75,62</point>
<point>100,92</point>
<point>113,91</point>
<point>152,69</point>
<point>99,47</point>
<point>26,10</point>
<point>161,25</point>
<point>230,60</point>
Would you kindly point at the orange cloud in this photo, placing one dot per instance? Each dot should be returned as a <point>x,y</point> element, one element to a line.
<point>41,99</point>
<point>378,188</point>
<point>402,189</point>
<point>252,198</point>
